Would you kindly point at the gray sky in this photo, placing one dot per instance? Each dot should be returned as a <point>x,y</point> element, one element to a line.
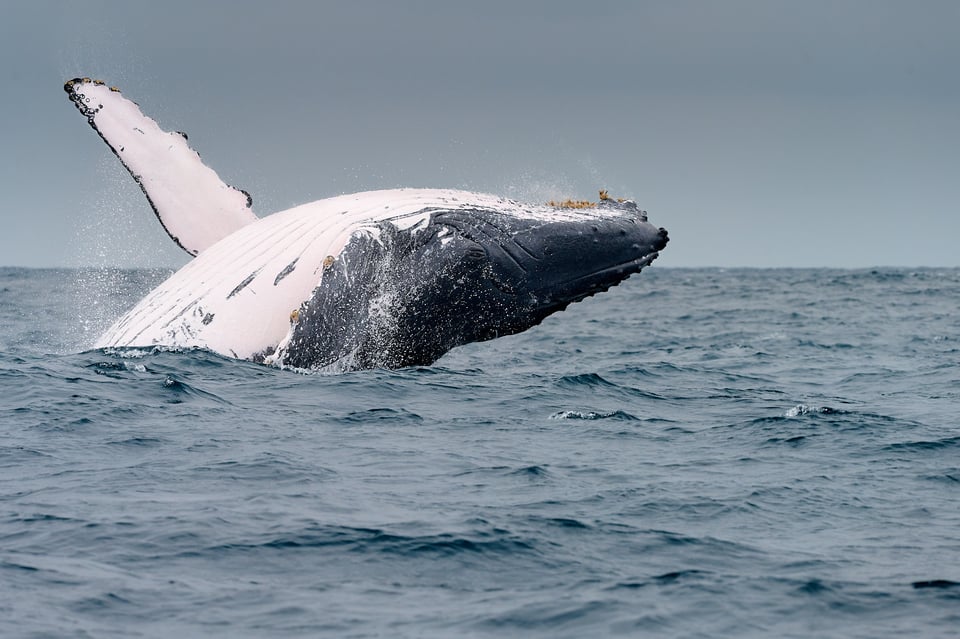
<point>760,133</point>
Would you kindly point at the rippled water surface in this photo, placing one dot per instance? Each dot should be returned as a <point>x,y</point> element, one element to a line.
<point>698,453</point>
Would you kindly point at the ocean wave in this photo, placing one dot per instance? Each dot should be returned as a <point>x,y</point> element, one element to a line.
<point>743,453</point>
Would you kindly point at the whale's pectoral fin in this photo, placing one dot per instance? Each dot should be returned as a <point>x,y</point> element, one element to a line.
<point>193,204</point>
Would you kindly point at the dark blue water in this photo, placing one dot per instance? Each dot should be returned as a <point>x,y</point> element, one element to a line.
<point>698,453</point>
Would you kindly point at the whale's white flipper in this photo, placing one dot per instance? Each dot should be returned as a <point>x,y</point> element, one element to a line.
<point>195,207</point>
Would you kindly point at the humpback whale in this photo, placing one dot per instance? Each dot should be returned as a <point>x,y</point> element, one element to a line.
<point>380,279</point>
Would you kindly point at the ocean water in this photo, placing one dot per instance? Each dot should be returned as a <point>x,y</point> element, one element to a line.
<point>697,453</point>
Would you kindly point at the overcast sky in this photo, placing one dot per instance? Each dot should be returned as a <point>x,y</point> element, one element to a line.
<point>760,133</point>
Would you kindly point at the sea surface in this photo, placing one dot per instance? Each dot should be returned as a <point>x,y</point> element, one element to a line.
<point>697,453</point>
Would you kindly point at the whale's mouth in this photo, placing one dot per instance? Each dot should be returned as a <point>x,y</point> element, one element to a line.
<point>622,269</point>
<point>613,273</point>
<point>598,281</point>
<point>591,260</point>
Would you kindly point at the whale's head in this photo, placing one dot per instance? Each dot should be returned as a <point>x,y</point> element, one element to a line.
<point>527,268</point>
<point>405,297</point>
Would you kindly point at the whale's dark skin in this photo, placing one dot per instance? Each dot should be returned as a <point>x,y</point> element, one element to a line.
<point>471,275</point>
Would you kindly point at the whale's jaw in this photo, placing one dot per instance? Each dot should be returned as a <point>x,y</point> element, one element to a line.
<point>405,298</point>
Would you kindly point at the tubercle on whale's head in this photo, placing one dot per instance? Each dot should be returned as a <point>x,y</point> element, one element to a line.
<point>586,204</point>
